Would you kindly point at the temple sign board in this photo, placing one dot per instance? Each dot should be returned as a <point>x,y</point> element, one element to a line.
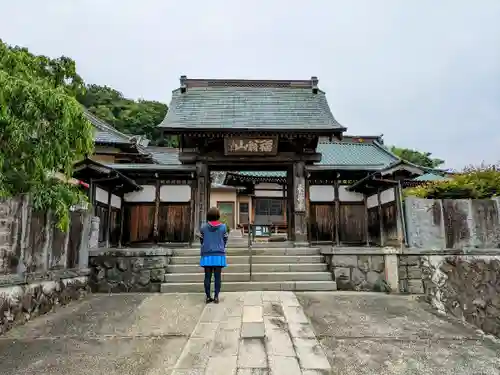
<point>246,146</point>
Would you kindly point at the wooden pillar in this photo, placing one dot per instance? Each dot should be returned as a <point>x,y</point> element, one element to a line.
<point>108,219</point>
<point>92,196</point>
<point>202,186</point>
<point>299,203</point>
<point>399,215</point>
<point>122,220</point>
<point>380,219</point>
<point>336,211</point>
<point>367,231</point>
<point>156,223</point>
<point>192,226</point>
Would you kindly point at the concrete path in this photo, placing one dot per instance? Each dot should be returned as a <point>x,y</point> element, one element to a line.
<point>267,333</point>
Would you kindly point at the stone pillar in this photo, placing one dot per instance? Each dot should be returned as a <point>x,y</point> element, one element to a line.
<point>392,267</point>
<point>202,186</point>
<point>299,204</point>
<point>83,251</point>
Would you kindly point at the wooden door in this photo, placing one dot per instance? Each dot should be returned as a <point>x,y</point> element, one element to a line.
<point>322,222</point>
<point>352,223</point>
<point>139,223</point>
<point>174,222</point>
<point>227,212</point>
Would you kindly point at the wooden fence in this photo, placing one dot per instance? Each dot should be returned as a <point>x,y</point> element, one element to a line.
<point>31,242</point>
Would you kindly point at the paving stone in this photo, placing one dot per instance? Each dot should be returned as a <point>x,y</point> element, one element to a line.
<point>273,309</point>
<point>253,314</point>
<point>231,323</point>
<point>253,299</point>
<point>295,314</point>
<point>222,365</point>
<point>284,365</point>
<point>212,314</point>
<point>271,322</point>
<point>195,354</point>
<point>252,354</point>
<point>186,371</point>
<point>316,372</point>
<point>226,343</point>
<point>289,299</point>
<point>310,354</point>
<point>280,344</point>
<point>252,371</point>
<point>271,297</point>
<point>301,330</point>
<point>205,330</point>
<point>234,310</point>
<point>253,330</point>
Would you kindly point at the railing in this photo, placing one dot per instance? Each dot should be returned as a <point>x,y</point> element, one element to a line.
<point>251,230</point>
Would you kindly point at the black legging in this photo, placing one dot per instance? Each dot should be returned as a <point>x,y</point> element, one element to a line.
<point>208,280</point>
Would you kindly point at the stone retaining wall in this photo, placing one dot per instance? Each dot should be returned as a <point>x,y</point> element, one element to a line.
<point>23,298</point>
<point>128,270</point>
<point>410,274</point>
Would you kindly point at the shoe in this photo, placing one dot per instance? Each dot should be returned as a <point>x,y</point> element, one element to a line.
<point>216,300</point>
<point>209,300</point>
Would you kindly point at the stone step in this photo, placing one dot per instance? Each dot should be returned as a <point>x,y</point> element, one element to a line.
<point>259,267</point>
<point>256,276</point>
<point>309,286</point>
<point>256,251</point>
<point>261,259</point>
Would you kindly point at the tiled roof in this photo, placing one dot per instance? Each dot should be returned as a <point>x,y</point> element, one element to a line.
<point>149,167</point>
<point>105,133</point>
<point>164,155</point>
<point>431,177</point>
<point>276,174</point>
<point>369,154</point>
<point>252,105</point>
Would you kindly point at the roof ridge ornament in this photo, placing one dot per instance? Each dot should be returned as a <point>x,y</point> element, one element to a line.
<point>314,84</point>
<point>183,80</point>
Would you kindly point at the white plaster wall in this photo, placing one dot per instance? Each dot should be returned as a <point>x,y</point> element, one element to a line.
<point>386,196</point>
<point>273,190</point>
<point>175,193</point>
<point>101,195</point>
<point>321,193</point>
<point>349,196</point>
<point>116,201</point>
<point>147,194</point>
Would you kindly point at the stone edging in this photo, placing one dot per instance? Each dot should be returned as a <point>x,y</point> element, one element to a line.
<point>11,280</point>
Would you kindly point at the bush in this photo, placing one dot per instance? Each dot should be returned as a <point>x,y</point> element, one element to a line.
<point>224,220</point>
<point>473,183</point>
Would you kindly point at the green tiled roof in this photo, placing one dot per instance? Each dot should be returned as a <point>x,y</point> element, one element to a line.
<point>251,105</point>
<point>369,154</point>
<point>431,177</point>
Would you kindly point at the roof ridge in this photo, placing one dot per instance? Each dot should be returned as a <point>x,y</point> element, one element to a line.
<point>102,125</point>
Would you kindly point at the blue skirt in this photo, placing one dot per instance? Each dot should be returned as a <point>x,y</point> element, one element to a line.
<point>213,261</point>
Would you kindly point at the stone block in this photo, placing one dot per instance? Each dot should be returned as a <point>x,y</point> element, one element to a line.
<point>221,365</point>
<point>284,365</point>
<point>414,272</point>
<point>412,260</point>
<point>373,277</point>
<point>345,260</point>
<point>415,286</point>
<point>342,271</point>
<point>311,354</point>
<point>252,354</point>
<point>403,272</point>
<point>364,263</point>
<point>279,343</point>
<point>253,314</point>
<point>377,263</point>
<point>252,330</point>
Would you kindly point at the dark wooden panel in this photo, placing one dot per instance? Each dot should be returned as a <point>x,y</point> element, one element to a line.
<point>174,222</point>
<point>352,223</point>
<point>75,237</point>
<point>322,221</point>
<point>115,226</point>
<point>101,211</point>
<point>139,222</point>
<point>36,241</point>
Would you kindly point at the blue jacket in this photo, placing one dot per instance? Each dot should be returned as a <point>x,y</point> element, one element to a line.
<point>213,238</point>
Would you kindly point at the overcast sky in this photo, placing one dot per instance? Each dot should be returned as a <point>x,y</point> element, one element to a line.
<point>425,73</point>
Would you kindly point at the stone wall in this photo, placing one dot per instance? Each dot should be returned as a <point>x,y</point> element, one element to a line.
<point>22,299</point>
<point>128,270</point>
<point>410,274</point>
<point>41,267</point>
<point>465,286</point>
<point>357,268</point>
<point>452,223</point>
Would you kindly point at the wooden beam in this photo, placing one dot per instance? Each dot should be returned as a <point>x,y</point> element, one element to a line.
<point>399,216</point>
<point>337,211</point>
<point>156,222</point>
<point>367,232</point>
<point>108,224</point>
<point>380,219</point>
<point>122,220</point>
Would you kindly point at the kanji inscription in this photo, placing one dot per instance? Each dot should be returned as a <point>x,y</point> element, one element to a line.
<point>249,146</point>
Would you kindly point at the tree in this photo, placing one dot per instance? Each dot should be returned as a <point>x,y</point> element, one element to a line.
<point>42,129</point>
<point>480,182</point>
<point>423,159</point>
<point>132,117</point>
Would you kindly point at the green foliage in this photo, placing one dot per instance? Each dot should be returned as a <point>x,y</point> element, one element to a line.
<point>416,157</point>
<point>42,128</point>
<point>224,220</point>
<point>132,117</point>
<point>473,183</point>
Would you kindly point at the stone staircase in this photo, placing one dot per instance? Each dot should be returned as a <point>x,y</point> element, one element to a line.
<point>275,267</point>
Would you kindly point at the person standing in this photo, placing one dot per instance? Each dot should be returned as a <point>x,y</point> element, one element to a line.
<point>213,238</point>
